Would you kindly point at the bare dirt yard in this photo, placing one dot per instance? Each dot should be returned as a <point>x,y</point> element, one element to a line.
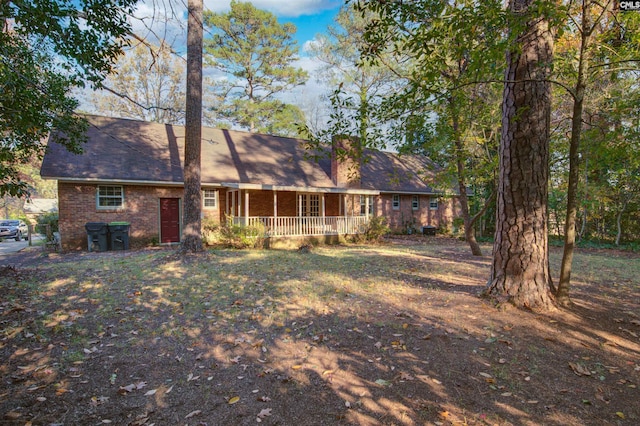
<point>393,334</point>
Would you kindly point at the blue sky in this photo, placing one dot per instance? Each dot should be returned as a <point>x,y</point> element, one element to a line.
<point>310,25</point>
<point>309,16</point>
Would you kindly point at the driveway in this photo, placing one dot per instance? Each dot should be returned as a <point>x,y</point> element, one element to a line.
<point>8,247</point>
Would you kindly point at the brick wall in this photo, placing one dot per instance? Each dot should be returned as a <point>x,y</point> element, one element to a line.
<point>448,209</point>
<point>77,206</point>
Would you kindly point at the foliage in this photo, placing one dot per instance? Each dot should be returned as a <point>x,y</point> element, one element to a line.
<point>47,48</point>
<point>256,54</point>
<point>229,235</point>
<point>47,223</point>
<point>377,228</point>
<point>147,84</point>
<point>448,109</point>
<point>606,41</point>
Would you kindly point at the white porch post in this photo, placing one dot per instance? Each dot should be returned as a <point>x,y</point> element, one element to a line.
<point>246,208</point>
<point>323,204</point>
<point>299,205</point>
<point>366,206</point>
<point>275,203</point>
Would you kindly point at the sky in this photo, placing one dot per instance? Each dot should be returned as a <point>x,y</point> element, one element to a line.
<point>309,16</point>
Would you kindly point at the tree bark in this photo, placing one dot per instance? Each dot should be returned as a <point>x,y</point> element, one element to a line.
<point>192,232</point>
<point>469,234</point>
<point>520,268</point>
<point>562,294</point>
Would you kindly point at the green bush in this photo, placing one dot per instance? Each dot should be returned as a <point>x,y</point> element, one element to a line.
<point>376,229</point>
<point>47,224</point>
<point>229,235</point>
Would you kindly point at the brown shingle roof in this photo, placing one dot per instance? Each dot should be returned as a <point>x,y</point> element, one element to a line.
<point>134,151</point>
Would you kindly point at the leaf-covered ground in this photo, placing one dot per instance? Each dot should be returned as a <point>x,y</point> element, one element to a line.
<point>355,335</point>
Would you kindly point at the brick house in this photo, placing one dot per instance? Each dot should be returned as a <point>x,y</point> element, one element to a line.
<point>132,171</point>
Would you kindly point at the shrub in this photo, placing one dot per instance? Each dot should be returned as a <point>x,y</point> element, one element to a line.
<point>227,234</point>
<point>376,229</point>
<point>47,224</point>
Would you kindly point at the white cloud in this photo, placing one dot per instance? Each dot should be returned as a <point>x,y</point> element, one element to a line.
<point>281,8</point>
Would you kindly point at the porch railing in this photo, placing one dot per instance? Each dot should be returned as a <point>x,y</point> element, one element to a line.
<point>289,226</point>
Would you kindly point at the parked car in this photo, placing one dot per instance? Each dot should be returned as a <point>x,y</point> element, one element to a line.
<point>13,229</point>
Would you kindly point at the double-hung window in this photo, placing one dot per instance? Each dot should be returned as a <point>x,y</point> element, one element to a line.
<point>395,202</point>
<point>433,204</point>
<point>210,198</point>
<point>110,197</point>
<point>415,202</point>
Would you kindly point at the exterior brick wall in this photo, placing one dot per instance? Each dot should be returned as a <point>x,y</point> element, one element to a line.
<point>448,208</point>
<point>77,206</point>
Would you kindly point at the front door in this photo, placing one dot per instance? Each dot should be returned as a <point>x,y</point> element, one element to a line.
<point>169,220</point>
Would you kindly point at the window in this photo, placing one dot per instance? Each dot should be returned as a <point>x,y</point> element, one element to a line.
<point>310,205</point>
<point>433,204</point>
<point>110,197</point>
<point>395,202</point>
<point>415,202</point>
<point>363,205</point>
<point>210,198</point>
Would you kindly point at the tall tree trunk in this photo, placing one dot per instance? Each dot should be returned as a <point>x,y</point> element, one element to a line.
<point>619,222</point>
<point>562,294</point>
<point>192,233</point>
<point>469,233</point>
<point>520,267</point>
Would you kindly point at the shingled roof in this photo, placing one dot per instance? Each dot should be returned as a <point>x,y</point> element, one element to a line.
<point>131,151</point>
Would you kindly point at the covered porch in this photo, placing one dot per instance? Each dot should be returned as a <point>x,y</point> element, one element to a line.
<point>300,212</point>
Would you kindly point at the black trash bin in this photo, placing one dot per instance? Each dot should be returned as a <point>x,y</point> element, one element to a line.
<point>119,235</point>
<point>429,230</point>
<point>97,236</point>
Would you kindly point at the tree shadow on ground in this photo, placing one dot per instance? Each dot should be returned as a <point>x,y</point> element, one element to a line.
<point>348,335</point>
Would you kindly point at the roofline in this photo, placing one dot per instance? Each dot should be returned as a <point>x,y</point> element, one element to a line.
<point>440,194</point>
<point>222,185</point>
<point>260,186</point>
<point>116,181</point>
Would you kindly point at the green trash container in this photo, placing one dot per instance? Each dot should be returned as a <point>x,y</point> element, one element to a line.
<point>97,236</point>
<point>119,235</point>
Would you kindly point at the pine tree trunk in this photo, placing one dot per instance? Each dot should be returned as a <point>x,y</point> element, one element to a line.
<point>192,233</point>
<point>520,267</point>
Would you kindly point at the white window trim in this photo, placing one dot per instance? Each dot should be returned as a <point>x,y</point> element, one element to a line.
<point>393,201</point>
<point>305,202</point>
<point>215,198</point>
<point>363,205</point>
<point>433,204</point>
<point>415,202</point>
<point>98,198</point>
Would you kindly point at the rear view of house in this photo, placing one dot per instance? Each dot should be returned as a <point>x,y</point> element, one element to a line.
<point>132,171</point>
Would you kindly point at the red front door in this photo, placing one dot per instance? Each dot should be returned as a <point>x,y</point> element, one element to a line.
<point>169,220</point>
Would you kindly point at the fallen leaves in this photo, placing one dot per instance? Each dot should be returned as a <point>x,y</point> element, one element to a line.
<point>579,369</point>
<point>193,414</point>
<point>123,390</point>
<point>265,412</point>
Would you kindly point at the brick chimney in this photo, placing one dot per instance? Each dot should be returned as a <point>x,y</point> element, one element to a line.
<point>346,158</point>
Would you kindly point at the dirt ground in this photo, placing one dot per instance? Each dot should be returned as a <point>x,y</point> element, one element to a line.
<point>394,334</point>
